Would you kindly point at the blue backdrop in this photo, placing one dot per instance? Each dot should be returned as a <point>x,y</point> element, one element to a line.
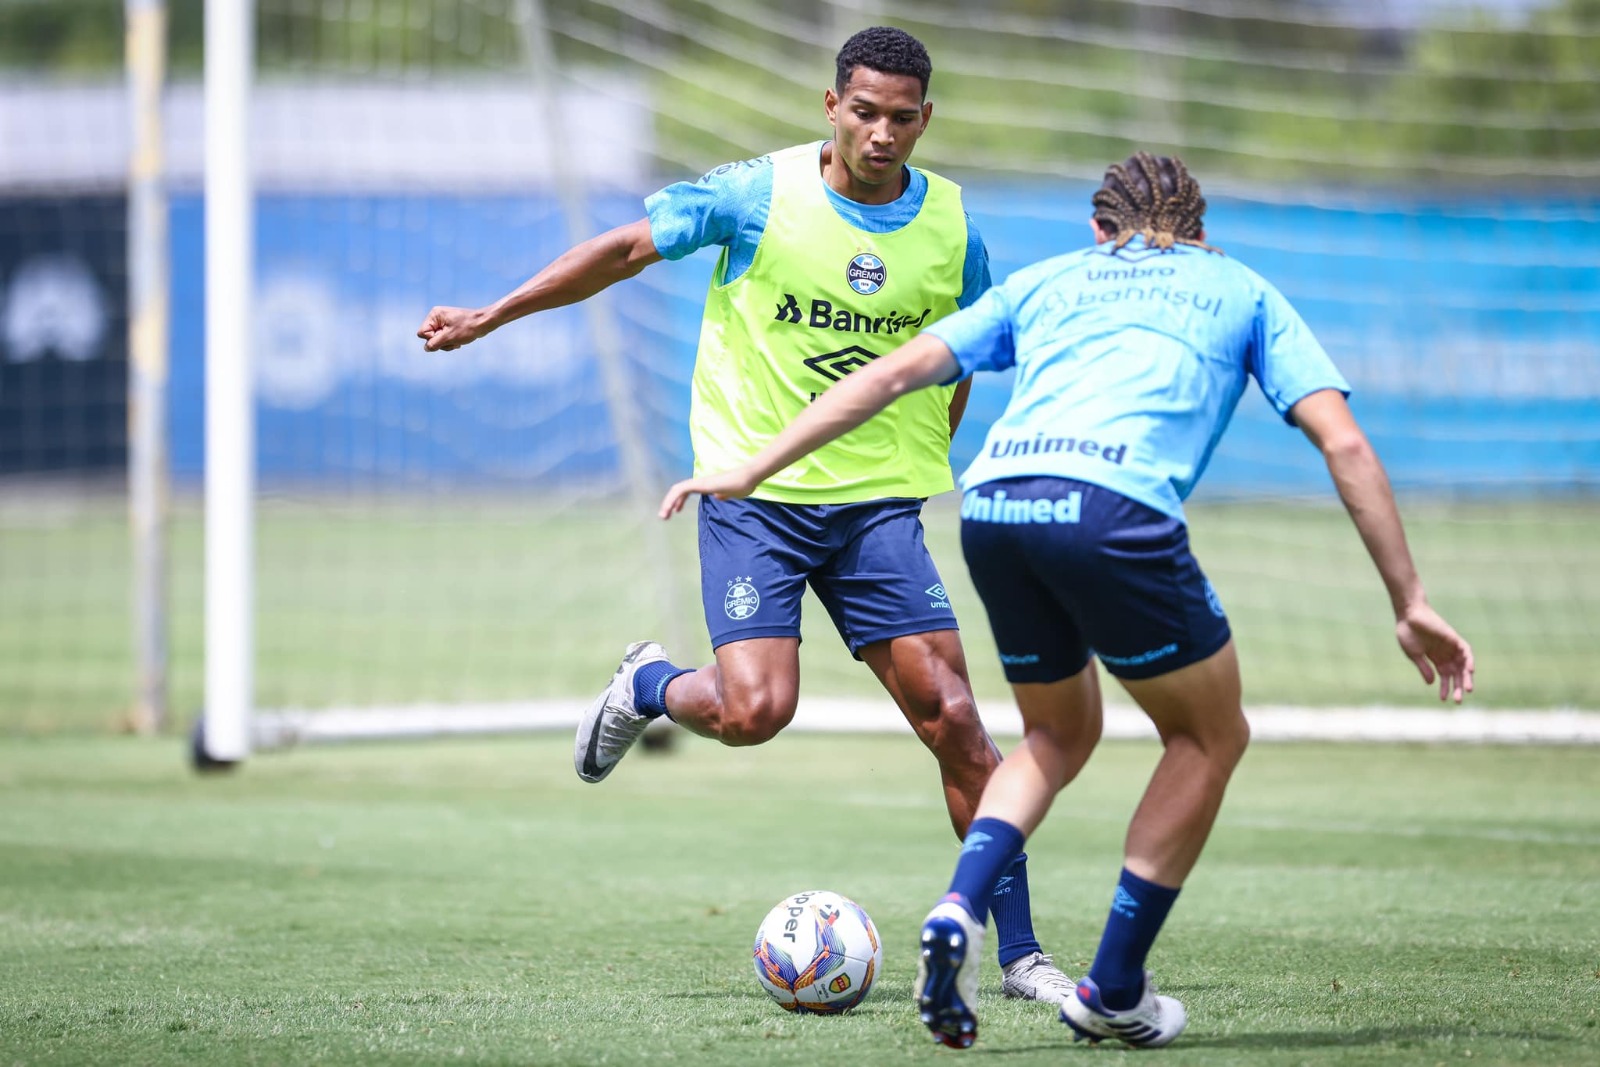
<point>1470,330</point>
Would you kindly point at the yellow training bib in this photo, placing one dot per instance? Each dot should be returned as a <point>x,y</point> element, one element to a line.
<point>822,298</point>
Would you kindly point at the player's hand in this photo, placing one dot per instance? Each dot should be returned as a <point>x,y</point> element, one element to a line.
<point>1435,647</point>
<point>724,486</point>
<point>447,329</point>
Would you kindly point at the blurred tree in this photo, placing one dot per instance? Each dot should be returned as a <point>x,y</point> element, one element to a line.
<point>61,35</point>
<point>1265,91</point>
<point>1506,91</point>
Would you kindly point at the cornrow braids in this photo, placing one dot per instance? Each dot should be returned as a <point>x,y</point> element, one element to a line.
<point>1155,197</point>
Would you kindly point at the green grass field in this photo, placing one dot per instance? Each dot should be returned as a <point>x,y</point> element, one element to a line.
<point>453,600</point>
<point>473,902</point>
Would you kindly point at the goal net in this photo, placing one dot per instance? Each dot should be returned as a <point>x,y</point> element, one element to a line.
<point>470,537</point>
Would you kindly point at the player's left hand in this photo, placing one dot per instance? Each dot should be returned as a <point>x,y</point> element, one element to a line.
<point>726,485</point>
<point>1434,646</point>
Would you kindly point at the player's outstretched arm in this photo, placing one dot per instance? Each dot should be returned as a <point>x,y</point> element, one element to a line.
<point>577,274</point>
<point>920,362</point>
<point>1426,638</point>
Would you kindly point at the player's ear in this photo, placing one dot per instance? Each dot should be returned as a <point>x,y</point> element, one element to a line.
<point>830,103</point>
<point>1100,237</point>
<point>927,112</point>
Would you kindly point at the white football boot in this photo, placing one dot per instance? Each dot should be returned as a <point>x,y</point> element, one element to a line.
<point>1151,1023</point>
<point>611,725</point>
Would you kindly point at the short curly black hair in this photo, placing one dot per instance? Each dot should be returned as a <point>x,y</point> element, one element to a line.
<point>885,50</point>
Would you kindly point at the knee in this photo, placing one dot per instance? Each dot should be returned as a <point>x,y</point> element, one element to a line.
<point>1222,739</point>
<point>755,719</point>
<point>1072,738</point>
<point>1236,738</point>
<point>954,732</point>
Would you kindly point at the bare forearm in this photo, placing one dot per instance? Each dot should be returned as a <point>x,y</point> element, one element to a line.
<point>1367,496</point>
<point>577,274</point>
<point>841,409</point>
<point>918,363</point>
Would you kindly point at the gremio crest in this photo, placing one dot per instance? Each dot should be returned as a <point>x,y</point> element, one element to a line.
<point>866,274</point>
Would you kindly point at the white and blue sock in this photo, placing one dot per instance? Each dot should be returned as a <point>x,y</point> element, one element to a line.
<point>1137,911</point>
<point>650,687</point>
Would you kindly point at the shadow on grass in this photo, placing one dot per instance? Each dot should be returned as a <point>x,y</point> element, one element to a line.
<point>1377,1035</point>
<point>1403,1036</point>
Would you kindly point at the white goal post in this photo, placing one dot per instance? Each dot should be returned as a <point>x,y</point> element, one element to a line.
<point>225,736</point>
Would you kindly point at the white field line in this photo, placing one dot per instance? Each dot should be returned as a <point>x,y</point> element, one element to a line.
<point>277,729</point>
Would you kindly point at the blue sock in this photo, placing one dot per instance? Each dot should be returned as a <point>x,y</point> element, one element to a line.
<point>650,687</point>
<point>990,847</point>
<point>1137,911</point>
<point>1013,912</point>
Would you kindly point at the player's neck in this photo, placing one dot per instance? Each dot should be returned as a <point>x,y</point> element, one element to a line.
<point>840,179</point>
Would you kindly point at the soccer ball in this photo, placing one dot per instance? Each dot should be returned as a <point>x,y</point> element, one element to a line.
<point>817,952</point>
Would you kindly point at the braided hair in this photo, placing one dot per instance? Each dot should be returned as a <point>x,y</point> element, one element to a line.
<point>1155,197</point>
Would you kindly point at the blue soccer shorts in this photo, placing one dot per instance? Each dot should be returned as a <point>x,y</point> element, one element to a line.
<point>1067,570</point>
<point>866,562</point>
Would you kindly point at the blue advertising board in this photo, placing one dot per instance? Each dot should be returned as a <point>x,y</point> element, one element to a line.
<point>1470,331</point>
<point>63,334</point>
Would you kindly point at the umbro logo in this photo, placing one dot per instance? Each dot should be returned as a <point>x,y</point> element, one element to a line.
<point>941,599</point>
<point>835,365</point>
<point>975,842</point>
<point>1124,903</point>
<point>1130,255</point>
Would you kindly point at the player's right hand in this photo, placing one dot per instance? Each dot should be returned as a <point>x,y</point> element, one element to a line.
<point>1435,647</point>
<point>446,329</point>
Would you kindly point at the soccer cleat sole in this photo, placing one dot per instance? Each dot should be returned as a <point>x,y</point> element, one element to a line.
<point>944,949</point>
<point>591,771</point>
<point>1079,1033</point>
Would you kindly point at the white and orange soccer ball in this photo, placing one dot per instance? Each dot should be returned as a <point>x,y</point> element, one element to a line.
<point>817,952</point>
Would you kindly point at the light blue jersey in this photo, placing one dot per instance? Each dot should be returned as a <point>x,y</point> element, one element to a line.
<point>1129,365</point>
<point>728,206</point>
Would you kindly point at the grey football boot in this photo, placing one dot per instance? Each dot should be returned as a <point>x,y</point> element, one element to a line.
<point>1035,977</point>
<point>611,725</point>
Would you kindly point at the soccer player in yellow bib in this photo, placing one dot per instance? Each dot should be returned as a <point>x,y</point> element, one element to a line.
<point>834,252</point>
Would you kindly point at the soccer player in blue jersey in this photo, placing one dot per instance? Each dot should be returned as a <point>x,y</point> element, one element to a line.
<point>1130,357</point>
<point>832,253</point>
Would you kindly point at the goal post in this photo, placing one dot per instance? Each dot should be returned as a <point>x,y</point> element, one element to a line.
<point>229,386</point>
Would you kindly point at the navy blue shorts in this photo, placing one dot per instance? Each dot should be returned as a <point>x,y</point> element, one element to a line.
<point>1068,570</point>
<point>866,562</point>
